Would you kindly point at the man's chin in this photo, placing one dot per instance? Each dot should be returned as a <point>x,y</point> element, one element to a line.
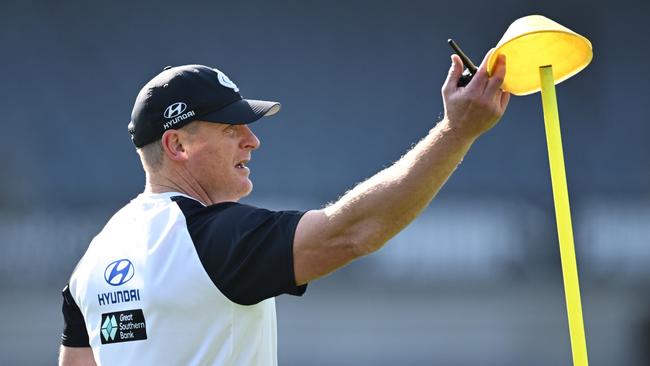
<point>248,190</point>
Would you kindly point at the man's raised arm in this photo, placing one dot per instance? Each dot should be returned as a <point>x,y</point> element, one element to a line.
<point>374,211</point>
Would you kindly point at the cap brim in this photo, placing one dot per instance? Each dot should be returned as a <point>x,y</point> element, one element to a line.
<point>242,112</point>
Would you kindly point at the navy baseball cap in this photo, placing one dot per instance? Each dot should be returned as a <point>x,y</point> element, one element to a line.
<point>182,94</point>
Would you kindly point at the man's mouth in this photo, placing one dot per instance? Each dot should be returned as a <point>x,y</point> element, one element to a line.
<point>241,164</point>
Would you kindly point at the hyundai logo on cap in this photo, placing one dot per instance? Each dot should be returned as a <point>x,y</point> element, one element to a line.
<point>175,109</point>
<point>119,272</point>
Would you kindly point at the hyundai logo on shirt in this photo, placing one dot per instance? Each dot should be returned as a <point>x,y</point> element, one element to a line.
<point>119,272</point>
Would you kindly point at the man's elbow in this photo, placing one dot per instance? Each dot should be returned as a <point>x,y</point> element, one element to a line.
<point>366,239</point>
<point>364,249</point>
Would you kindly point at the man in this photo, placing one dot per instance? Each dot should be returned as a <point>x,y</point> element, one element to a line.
<point>185,275</point>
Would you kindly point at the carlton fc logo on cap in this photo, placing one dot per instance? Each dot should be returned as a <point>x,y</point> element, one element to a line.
<point>119,272</point>
<point>225,81</point>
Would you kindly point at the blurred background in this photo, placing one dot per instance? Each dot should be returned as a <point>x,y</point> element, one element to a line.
<point>476,280</point>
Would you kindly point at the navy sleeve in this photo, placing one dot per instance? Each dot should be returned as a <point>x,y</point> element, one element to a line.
<point>74,327</point>
<point>246,251</point>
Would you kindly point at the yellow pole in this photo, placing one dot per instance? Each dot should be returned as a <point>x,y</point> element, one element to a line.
<point>563,217</point>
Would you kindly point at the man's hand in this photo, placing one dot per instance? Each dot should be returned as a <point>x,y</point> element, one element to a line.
<point>474,109</point>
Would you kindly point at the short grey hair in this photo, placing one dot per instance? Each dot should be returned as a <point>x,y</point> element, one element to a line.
<point>152,154</point>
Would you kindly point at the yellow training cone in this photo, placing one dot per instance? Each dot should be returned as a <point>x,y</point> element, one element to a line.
<point>534,41</point>
<point>539,54</point>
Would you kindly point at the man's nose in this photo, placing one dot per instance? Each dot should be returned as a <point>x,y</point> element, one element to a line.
<point>249,141</point>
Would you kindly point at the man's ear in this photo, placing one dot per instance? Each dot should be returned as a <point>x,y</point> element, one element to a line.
<point>172,144</point>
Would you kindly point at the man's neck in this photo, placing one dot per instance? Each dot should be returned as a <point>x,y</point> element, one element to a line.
<point>161,183</point>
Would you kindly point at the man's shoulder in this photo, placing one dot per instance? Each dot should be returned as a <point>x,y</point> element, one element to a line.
<point>194,209</point>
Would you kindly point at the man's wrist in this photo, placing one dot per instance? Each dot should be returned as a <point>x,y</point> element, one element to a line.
<point>447,128</point>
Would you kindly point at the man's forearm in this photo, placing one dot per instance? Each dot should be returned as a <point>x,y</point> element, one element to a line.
<point>377,209</point>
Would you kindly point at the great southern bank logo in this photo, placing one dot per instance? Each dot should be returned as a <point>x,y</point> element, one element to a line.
<point>119,272</point>
<point>109,328</point>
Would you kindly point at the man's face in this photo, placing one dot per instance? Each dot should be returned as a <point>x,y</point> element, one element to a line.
<point>217,158</point>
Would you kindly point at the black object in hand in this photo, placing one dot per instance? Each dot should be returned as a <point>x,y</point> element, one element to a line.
<point>470,68</point>
<point>465,78</point>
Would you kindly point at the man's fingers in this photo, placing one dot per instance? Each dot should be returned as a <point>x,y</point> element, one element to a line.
<point>499,73</point>
<point>455,70</point>
<point>505,98</point>
<point>480,79</point>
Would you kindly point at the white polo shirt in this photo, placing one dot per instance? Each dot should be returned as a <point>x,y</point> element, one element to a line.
<point>169,281</point>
